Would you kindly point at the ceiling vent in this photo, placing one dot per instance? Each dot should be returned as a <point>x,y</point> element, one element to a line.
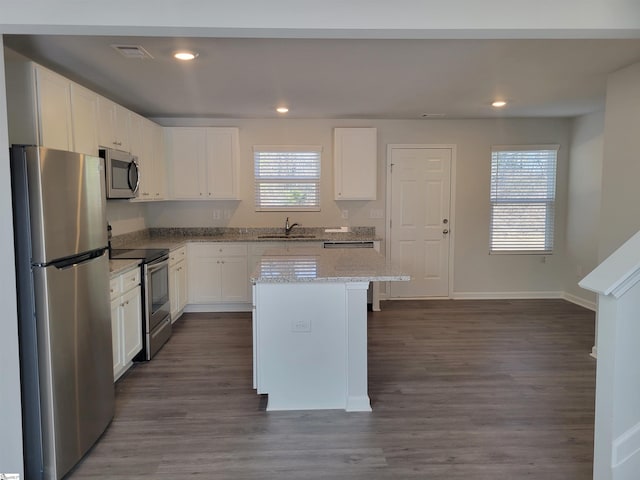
<point>132,51</point>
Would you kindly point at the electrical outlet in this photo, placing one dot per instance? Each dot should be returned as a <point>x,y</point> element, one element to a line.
<point>216,214</point>
<point>376,213</point>
<point>345,214</point>
<point>301,325</point>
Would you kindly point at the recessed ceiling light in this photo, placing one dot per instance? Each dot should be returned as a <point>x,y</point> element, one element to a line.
<point>282,109</point>
<point>185,55</point>
<point>499,103</point>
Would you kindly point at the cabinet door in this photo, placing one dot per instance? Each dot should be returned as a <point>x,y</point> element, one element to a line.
<point>177,289</point>
<point>131,323</point>
<point>106,123</point>
<point>145,155</point>
<point>174,298</point>
<point>159,190</point>
<point>355,163</point>
<point>54,108</point>
<point>204,274</point>
<point>84,115</point>
<point>222,163</point>
<point>121,128</point>
<point>234,279</point>
<point>187,154</point>
<point>181,281</point>
<point>116,337</point>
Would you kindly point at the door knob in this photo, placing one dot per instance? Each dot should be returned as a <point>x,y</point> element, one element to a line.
<point>445,231</point>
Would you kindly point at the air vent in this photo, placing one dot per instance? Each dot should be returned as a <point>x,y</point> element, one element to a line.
<point>132,51</point>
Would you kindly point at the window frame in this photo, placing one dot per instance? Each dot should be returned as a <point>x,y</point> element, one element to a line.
<point>549,201</point>
<point>257,149</point>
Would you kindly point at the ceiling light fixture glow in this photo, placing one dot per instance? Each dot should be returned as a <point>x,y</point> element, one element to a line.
<point>282,109</point>
<point>185,55</point>
<point>499,104</point>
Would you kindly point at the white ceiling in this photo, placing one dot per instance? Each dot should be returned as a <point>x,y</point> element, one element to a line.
<point>341,78</point>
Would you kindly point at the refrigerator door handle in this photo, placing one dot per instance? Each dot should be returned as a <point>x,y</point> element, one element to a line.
<point>77,259</point>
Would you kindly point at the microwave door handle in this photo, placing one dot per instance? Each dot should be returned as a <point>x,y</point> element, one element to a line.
<point>132,166</point>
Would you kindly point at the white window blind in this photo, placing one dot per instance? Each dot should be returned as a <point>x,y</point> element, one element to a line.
<point>287,177</point>
<point>523,193</point>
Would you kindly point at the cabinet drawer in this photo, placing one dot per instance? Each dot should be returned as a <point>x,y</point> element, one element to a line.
<point>115,287</point>
<point>218,249</point>
<point>130,279</point>
<point>177,255</point>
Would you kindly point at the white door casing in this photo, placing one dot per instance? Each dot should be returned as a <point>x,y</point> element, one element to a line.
<point>420,223</point>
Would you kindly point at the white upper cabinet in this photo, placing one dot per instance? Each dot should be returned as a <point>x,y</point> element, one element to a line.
<point>355,163</point>
<point>84,114</point>
<point>149,148</point>
<point>203,162</point>
<point>113,125</point>
<point>222,163</point>
<point>159,170</point>
<point>187,152</point>
<point>53,94</point>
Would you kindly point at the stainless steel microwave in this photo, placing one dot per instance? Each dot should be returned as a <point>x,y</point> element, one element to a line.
<point>122,174</point>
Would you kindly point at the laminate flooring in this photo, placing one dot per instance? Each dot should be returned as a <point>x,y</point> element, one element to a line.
<point>459,389</point>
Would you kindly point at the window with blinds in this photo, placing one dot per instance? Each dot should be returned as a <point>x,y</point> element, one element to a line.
<point>523,194</point>
<point>287,178</point>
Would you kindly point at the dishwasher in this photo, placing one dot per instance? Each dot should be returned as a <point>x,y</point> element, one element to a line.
<point>373,301</point>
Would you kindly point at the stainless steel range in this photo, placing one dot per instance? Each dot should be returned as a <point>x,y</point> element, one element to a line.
<point>155,302</point>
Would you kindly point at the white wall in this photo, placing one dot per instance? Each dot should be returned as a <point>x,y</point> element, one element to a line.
<point>584,197</point>
<point>10,410</point>
<point>620,211</point>
<point>125,217</point>
<point>476,273</point>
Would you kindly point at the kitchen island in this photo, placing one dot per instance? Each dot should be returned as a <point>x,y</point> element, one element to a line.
<point>310,326</point>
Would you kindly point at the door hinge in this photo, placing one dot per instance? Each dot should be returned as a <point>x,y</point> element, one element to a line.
<point>391,167</point>
<point>390,223</point>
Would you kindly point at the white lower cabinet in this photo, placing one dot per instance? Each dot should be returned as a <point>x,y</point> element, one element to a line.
<point>126,320</point>
<point>218,273</point>
<point>177,282</point>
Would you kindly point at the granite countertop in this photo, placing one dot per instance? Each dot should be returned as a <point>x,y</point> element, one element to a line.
<point>116,267</point>
<point>313,264</point>
<point>173,238</point>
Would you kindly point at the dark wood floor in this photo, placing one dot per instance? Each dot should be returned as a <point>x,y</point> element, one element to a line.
<point>459,389</point>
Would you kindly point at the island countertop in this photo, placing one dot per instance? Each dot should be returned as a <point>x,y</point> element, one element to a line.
<point>313,264</point>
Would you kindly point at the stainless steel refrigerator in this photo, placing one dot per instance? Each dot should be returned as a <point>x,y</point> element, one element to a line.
<point>63,300</point>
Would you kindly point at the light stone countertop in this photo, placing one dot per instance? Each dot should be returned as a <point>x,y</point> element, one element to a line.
<point>313,264</point>
<point>117,267</point>
<point>173,238</point>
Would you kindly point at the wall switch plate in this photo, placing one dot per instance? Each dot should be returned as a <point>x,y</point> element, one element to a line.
<point>345,214</point>
<point>216,214</point>
<point>376,213</point>
<point>301,325</point>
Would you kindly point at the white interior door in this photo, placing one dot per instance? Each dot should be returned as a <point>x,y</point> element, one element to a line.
<point>420,223</point>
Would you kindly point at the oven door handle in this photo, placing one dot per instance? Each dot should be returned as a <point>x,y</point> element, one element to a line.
<point>155,266</point>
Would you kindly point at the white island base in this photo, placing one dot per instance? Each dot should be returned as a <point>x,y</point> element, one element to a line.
<point>310,345</point>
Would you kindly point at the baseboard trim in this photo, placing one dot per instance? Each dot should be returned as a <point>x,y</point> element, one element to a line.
<point>569,297</point>
<point>505,295</point>
<point>221,307</point>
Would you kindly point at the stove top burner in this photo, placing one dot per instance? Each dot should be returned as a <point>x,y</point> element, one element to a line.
<point>146,254</point>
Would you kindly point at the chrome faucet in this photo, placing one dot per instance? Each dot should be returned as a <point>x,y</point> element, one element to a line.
<point>287,227</point>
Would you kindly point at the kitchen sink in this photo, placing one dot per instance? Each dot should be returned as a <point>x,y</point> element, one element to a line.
<point>284,237</point>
